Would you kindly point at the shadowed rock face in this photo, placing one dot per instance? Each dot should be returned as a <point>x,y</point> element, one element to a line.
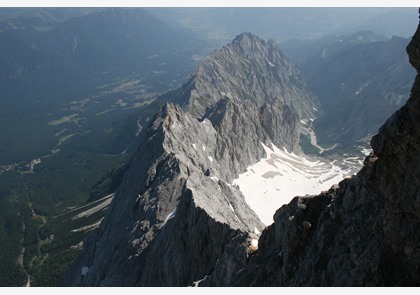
<point>363,232</point>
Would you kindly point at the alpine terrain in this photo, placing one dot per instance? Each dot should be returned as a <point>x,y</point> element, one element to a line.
<point>131,156</point>
<point>362,232</point>
<point>182,215</point>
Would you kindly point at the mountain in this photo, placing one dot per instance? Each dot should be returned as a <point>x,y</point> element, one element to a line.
<point>248,68</point>
<point>114,57</point>
<point>359,87</point>
<point>300,50</point>
<point>177,218</point>
<point>362,232</point>
<point>43,18</point>
<point>84,52</point>
<point>66,94</point>
<point>282,23</point>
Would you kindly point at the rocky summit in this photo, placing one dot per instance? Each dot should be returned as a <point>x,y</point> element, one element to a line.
<point>248,68</point>
<point>363,232</point>
<point>177,219</point>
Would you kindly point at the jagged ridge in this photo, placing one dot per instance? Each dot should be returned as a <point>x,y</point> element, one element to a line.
<point>176,218</point>
<point>173,217</point>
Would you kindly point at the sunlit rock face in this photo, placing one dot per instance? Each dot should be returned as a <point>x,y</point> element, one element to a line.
<point>177,219</point>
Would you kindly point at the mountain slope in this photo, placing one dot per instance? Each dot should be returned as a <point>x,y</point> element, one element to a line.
<point>363,232</point>
<point>63,123</point>
<point>84,52</point>
<point>177,219</point>
<point>103,60</point>
<point>300,51</point>
<point>175,204</point>
<point>358,88</point>
<point>248,68</point>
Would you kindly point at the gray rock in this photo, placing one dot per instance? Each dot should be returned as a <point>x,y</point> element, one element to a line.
<point>363,233</point>
<point>249,69</point>
<point>176,220</point>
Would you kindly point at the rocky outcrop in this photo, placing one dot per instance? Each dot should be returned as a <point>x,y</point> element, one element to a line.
<point>176,219</point>
<point>363,232</point>
<point>174,216</point>
<point>249,69</point>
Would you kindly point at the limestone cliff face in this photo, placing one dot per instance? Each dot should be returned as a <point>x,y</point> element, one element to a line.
<point>175,215</point>
<point>176,220</point>
<point>363,232</point>
<point>249,69</point>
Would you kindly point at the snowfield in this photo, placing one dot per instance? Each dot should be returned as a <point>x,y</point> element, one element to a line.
<point>278,178</point>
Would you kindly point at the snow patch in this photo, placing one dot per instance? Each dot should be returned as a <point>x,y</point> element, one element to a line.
<point>210,158</point>
<point>254,244</point>
<point>204,147</point>
<point>214,178</point>
<point>278,178</point>
<point>194,146</point>
<point>366,151</point>
<point>170,216</point>
<point>256,231</point>
<point>231,208</point>
<point>95,209</point>
<point>153,56</point>
<point>87,227</point>
<point>270,63</point>
<point>196,283</point>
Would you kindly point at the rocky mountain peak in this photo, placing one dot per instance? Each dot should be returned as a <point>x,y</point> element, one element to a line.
<point>249,69</point>
<point>248,43</point>
<point>177,217</point>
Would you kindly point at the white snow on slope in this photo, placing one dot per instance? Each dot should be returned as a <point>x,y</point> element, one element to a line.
<point>170,216</point>
<point>87,227</point>
<point>95,209</point>
<point>278,178</point>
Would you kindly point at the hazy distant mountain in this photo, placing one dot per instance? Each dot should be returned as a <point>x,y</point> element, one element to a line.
<point>283,23</point>
<point>43,18</point>
<point>80,58</point>
<point>68,82</point>
<point>300,50</point>
<point>359,86</point>
<point>84,51</point>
